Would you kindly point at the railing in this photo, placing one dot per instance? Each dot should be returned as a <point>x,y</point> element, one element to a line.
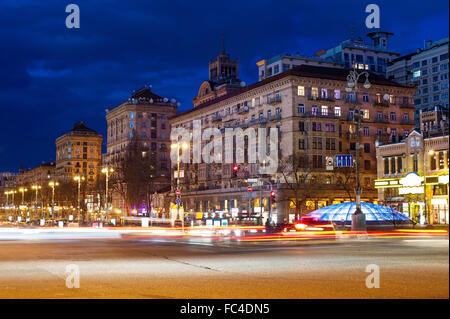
<point>260,120</point>
<point>330,115</point>
<point>351,136</point>
<point>216,118</point>
<point>406,106</point>
<point>382,120</point>
<point>382,104</point>
<point>243,110</point>
<point>274,100</point>
<point>320,98</point>
<point>275,117</point>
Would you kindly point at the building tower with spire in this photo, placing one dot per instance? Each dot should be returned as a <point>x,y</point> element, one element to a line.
<point>223,78</point>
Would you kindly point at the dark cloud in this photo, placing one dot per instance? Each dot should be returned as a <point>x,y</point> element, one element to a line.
<point>52,77</point>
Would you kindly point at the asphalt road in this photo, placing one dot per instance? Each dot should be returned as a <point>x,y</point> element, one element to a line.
<point>159,268</point>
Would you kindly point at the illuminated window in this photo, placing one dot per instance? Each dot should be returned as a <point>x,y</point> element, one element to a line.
<point>391,99</point>
<point>416,74</point>
<point>324,110</point>
<point>337,111</point>
<point>131,115</point>
<point>315,92</point>
<point>301,90</point>
<point>337,94</point>
<point>366,114</point>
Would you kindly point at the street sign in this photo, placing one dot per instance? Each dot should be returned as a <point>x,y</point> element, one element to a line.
<point>178,201</point>
<point>343,161</point>
<point>252,180</point>
<point>177,192</point>
<point>329,160</point>
<point>249,188</point>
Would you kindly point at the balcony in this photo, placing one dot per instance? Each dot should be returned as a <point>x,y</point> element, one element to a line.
<point>320,98</point>
<point>274,100</point>
<point>275,117</point>
<point>320,115</point>
<point>216,118</point>
<point>350,136</point>
<point>243,110</point>
<point>381,120</point>
<point>261,120</point>
<point>406,106</point>
<point>381,104</point>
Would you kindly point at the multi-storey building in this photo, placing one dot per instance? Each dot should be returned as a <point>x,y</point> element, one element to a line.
<point>144,117</point>
<point>79,153</point>
<point>7,182</point>
<point>373,57</point>
<point>434,121</point>
<point>314,117</point>
<point>428,70</point>
<point>39,175</point>
<point>413,177</point>
<point>284,62</point>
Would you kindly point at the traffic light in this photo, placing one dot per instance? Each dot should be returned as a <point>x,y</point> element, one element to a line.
<point>273,195</point>
<point>235,170</point>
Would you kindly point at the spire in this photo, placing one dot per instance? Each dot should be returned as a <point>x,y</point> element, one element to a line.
<point>352,31</point>
<point>223,43</point>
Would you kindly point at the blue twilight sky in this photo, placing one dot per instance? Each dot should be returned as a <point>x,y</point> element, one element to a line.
<point>52,77</point>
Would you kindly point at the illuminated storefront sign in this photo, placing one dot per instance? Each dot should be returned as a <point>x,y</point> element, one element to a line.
<point>386,183</point>
<point>411,180</point>
<point>443,179</point>
<point>410,190</point>
<point>439,201</point>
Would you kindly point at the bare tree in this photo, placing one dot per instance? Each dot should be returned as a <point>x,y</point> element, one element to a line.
<point>134,178</point>
<point>346,180</point>
<point>296,173</point>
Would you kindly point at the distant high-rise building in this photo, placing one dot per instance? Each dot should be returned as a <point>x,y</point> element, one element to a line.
<point>427,69</point>
<point>360,55</point>
<point>348,54</point>
<point>284,62</point>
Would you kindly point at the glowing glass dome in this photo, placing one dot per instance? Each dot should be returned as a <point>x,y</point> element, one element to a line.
<point>375,214</point>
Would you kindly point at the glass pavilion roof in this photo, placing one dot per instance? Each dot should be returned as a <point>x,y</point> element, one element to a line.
<point>374,213</point>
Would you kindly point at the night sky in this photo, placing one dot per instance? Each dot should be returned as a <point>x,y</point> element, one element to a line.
<point>52,77</point>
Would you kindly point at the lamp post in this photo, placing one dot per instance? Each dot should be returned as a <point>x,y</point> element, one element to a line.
<point>36,188</point>
<point>13,202</point>
<point>78,179</point>
<point>106,171</point>
<point>7,201</point>
<point>23,190</point>
<point>358,218</point>
<point>178,147</point>
<point>430,153</point>
<point>53,185</point>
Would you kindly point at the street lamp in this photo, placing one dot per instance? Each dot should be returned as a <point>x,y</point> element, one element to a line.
<point>178,147</point>
<point>23,190</point>
<point>430,153</point>
<point>53,185</point>
<point>106,171</point>
<point>36,188</point>
<point>79,179</point>
<point>358,218</point>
